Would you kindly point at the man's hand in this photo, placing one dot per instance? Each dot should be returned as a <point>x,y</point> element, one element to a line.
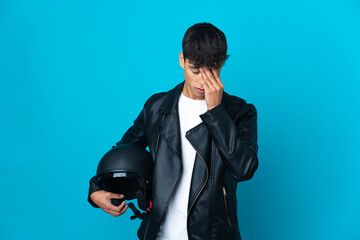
<point>103,200</point>
<point>213,86</point>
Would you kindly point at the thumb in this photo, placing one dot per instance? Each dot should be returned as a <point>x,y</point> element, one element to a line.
<point>116,195</point>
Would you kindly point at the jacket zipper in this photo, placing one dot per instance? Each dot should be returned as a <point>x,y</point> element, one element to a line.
<point>147,227</point>
<point>226,207</point>
<point>202,188</point>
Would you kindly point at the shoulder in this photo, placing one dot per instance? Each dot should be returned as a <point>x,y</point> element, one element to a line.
<point>163,100</point>
<point>238,106</point>
<point>156,99</point>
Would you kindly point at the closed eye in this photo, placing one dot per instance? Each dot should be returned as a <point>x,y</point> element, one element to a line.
<point>195,72</point>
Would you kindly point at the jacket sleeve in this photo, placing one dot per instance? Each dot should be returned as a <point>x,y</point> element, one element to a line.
<point>236,141</point>
<point>94,186</point>
<point>134,135</point>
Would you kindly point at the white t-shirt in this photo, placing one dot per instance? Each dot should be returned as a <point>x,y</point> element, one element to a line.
<point>174,226</point>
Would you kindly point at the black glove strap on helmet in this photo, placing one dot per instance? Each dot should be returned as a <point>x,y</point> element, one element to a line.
<point>137,213</point>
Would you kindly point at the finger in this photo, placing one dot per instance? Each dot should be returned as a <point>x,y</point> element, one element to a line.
<point>112,207</point>
<point>204,83</point>
<point>208,77</point>
<point>117,213</point>
<point>217,77</point>
<point>124,209</point>
<point>112,213</point>
<point>211,78</point>
<point>116,195</point>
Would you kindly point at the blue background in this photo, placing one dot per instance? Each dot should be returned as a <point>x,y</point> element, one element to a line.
<point>75,74</point>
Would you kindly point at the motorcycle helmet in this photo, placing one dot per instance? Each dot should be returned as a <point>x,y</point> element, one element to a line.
<point>127,169</point>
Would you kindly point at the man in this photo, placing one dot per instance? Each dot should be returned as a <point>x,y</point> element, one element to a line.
<point>203,142</point>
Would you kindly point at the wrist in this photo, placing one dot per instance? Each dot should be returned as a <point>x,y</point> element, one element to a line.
<point>94,195</point>
<point>213,106</point>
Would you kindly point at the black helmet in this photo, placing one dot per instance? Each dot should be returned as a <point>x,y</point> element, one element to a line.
<point>127,169</point>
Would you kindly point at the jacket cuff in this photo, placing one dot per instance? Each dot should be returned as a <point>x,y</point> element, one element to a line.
<point>219,109</point>
<point>217,116</point>
<point>94,186</point>
<point>222,128</point>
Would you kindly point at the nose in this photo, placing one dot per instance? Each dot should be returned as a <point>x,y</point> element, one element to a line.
<point>200,78</point>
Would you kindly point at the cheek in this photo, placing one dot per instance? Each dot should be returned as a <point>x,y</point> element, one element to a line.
<point>190,77</point>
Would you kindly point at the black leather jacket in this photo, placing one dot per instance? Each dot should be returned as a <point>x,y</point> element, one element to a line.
<point>226,146</point>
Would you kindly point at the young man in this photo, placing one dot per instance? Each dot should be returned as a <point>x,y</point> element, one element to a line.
<point>203,142</point>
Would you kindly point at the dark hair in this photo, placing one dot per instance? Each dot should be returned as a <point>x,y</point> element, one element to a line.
<point>205,45</point>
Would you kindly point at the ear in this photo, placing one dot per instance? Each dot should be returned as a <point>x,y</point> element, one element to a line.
<point>181,60</point>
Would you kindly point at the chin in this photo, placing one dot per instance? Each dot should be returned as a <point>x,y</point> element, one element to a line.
<point>200,95</point>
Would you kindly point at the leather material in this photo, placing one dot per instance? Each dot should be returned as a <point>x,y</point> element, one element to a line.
<point>226,146</point>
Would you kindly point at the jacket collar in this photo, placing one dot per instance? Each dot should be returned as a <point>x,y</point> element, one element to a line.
<point>171,103</point>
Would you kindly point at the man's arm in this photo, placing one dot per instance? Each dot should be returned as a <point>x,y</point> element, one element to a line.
<point>236,141</point>
<point>136,133</point>
<point>97,197</point>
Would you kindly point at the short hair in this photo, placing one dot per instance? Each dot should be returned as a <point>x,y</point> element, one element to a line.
<point>205,45</point>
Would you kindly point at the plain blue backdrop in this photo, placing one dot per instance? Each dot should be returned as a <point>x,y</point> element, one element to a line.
<point>75,74</point>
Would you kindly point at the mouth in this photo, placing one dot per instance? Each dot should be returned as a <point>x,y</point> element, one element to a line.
<point>200,90</point>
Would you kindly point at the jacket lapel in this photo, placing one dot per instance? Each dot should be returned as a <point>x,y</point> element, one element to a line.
<point>168,156</point>
<point>170,129</point>
<point>200,140</point>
